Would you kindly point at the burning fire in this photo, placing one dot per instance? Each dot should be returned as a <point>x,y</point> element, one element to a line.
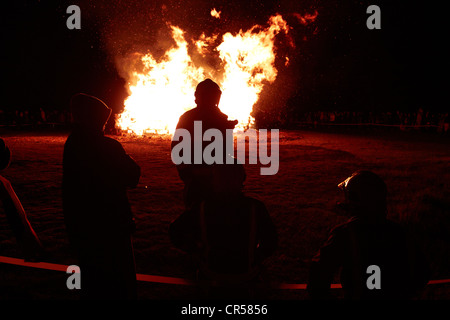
<point>215,13</point>
<point>163,90</point>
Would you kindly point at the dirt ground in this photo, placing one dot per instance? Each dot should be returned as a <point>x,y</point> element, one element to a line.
<point>299,198</point>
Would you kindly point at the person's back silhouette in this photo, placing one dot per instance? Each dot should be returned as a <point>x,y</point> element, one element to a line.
<point>207,97</point>
<point>230,234</point>
<point>26,237</point>
<point>96,174</point>
<point>368,239</point>
<point>197,177</point>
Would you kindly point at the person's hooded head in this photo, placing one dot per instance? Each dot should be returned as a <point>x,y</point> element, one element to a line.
<point>365,194</point>
<point>89,112</point>
<point>207,94</point>
<point>5,155</point>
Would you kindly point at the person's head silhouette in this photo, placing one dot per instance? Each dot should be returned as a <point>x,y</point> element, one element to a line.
<point>365,194</point>
<point>207,94</point>
<point>89,111</point>
<point>5,155</point>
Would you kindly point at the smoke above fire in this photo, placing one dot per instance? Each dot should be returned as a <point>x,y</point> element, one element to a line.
<point>162,61</point>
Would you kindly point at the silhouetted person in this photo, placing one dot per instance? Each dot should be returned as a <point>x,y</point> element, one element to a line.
<point>230,235</point>
<point>17,218</point>
<point>96,174</point>
<point>197,177</point>
<point>368,238</point>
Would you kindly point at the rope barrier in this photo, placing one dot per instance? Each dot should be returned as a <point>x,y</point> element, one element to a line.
<point>165,279</point>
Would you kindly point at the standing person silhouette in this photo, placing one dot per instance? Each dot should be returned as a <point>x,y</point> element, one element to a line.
<point>229,234</point>
<point>368,239</point>
<point>96,174</point>
<point>197,177</point>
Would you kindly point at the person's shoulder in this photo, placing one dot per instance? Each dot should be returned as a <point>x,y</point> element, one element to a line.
<point>72,143</point>
<point>70,137</point>
<point>355,224</point>
<point>189,113</point>
<point>255,203</point>
<point>111,143</point>
<point>217,115</point>
<point>187,117</point>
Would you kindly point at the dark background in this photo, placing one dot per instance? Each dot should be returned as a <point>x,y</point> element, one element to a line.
<point>337,63</point>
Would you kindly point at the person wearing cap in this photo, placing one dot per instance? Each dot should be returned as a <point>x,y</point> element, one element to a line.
<point>26,237</point>
<point>197,177</point>
<point>96,175</point>
<point>367,243</point>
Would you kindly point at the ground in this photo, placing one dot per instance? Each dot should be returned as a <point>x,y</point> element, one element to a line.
<point>300,199</point>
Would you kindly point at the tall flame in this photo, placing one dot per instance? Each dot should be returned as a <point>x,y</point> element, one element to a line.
<point>164,89</point>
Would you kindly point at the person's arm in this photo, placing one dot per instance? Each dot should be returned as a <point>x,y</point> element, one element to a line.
<point>267,233</point>
<point>324,266</point>
<point>123,169</point>
<point>184,170</point>
<point>131,171</point>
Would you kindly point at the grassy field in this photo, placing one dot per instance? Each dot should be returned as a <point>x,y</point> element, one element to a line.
<point>299,198</point>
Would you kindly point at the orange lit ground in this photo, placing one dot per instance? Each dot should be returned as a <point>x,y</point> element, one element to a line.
<point>299,198</point>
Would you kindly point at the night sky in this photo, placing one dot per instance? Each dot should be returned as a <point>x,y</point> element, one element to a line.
<point>337,63</point>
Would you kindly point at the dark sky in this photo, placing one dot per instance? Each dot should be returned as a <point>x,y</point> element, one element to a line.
<point>337,62</point>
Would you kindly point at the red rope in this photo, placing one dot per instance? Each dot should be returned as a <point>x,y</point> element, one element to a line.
<point>163,279</point>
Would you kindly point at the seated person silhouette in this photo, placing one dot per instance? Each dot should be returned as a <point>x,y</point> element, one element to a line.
<point>230,235</point>
<point>197,177</point>
<point>96,174</point>
<point>368,239</point>
<point>27,239</point>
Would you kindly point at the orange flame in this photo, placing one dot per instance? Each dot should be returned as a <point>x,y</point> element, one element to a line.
<point>215,13</point>
<point>164,89</point>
